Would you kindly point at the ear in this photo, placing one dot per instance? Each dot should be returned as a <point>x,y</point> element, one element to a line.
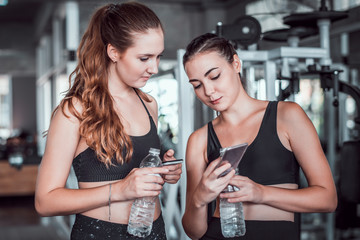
<point>236,63</point>
<point>112,52</point>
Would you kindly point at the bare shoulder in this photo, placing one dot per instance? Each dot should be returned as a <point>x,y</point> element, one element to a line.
<point>152,105</point>
<point>293,118</point>
<point>150,97</point>
<point>290,111</point>
<point>62,139</point>
<point>153,102</point>
<point>69,110</point>
<point>199,135</point>
<point>64,130</point>
<point>197,143</point>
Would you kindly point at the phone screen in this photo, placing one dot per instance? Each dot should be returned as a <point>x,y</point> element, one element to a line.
<point>232,155</point>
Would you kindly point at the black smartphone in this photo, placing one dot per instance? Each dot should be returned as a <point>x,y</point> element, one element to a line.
<point>232,155</point>
<point>172,162</point>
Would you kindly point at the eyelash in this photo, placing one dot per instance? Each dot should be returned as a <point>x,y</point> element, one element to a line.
<point>196,87</point>
<point>147,58</point>
<point>214,78</point>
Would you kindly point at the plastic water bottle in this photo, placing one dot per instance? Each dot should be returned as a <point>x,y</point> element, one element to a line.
<point>231,217</point>
<point>143,209</point>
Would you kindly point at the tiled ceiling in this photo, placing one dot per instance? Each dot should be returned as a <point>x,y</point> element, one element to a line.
<point>19,11</point>
<point>26,10</point>
<point>19,26</point>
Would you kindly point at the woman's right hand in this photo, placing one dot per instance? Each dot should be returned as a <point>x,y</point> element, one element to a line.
<point>140,182</point>
<point>211,185</point>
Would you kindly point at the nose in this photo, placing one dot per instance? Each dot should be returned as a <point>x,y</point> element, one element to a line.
<point>208,89</point>
<point>153,67</point>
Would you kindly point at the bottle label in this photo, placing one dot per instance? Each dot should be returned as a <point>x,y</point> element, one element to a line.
<point>155,174</point>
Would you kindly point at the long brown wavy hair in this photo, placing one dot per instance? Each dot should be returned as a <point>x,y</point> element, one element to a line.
<point>100,125</point>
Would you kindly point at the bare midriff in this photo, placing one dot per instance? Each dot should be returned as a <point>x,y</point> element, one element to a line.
<point>253,211</point>
<point>120,211</point>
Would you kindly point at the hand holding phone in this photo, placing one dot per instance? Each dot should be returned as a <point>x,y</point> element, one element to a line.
<point>232,155</point>
<point>172,162</point>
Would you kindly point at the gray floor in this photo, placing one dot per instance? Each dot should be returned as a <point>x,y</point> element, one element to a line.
<point>35,232</point>
<point>19,221</point>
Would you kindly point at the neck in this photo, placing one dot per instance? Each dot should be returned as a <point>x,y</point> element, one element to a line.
<point>242,107</point>
<point>116,86</point>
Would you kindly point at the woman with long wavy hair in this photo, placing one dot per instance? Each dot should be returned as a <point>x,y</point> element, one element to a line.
<point>105,126</point>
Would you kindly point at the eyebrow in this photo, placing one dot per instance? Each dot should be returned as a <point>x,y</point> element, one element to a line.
<point>207,73</point>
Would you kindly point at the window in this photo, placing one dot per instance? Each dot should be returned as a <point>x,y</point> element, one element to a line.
<point>5,106</point>
<point>165,90</point>
<point>345,4</point>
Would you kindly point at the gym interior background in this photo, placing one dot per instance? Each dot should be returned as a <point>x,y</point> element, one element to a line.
<point>305,51</point>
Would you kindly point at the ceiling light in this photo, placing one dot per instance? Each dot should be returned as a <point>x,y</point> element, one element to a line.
<point>3,2</point>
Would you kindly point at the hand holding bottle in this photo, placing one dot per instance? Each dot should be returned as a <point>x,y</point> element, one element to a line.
<point>250,191</point>
<point>231,217</point>
<point>141,182</point>
<point>142,209</point>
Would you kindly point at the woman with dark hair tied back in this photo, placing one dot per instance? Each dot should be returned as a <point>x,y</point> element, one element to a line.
<point>105,126</point>
<point>281,139</point>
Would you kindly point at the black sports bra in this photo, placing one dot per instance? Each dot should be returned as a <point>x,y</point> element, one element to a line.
<point>266,161</point>
<point>88,168</point>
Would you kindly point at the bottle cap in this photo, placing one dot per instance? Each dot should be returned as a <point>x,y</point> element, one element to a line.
<point>222,151</point>
<point>154,151</point>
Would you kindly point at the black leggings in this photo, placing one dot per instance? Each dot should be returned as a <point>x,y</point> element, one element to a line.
<point>256,230</point>
<point>90,228</point>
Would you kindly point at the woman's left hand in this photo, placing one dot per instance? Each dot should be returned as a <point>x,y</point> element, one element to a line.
<point>249,191</point>
<point>174,170</point>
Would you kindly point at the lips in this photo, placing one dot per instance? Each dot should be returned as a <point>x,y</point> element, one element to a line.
<point>216,101</point>
<point>146,77</point>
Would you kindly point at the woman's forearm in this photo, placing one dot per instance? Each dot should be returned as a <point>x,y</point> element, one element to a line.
<point>310,199</point>
<point>63,201</point>
<point>195,218</point>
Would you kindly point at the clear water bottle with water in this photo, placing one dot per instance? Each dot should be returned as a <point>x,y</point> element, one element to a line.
<point>231,216</point>
<point>143,209</point>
